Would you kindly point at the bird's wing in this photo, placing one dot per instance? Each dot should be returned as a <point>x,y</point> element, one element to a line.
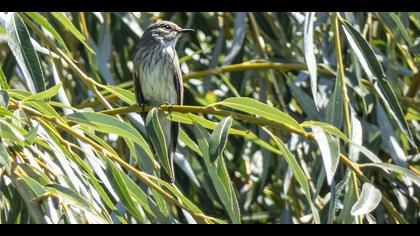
<point>175,125</point>
<point>138,92</point>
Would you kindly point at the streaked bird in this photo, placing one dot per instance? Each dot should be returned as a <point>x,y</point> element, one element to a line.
<point>158,78</point>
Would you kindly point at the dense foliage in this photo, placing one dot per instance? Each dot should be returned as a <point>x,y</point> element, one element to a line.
<point>288,118</point>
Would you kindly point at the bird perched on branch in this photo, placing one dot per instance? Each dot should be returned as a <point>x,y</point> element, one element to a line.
<point>158,79</point>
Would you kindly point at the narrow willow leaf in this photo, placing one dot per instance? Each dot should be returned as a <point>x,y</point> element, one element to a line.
<point>30,137</point>
<point>69,26</point>
<point>21,46</point>
<point>334,110</point>
<point>34,185</point>
<point>70,196</point>
<point>368,201</point>
<point>10,132</point>
<point>44,23</point>
<point>4,99</point>
<point>108,124</point>
<point>400,170</point>
<point>123,94</point>
<point>393,22</point>
<point>304,101</point>
<point>390,101</point>
<point>376,75</point>
<point>356,136</point>
<point>218,138</point>
<point>123,191</point>
<point>388,138</point>
<point>364,52</point>
<point>4,157</point>
<point>189,118</point>
<point>254,107</point>
<point>158,139</point>
<point>51,92</point>
<point>3,80</point>
<point>328,128</point>
<point>238,37</point>
<point>330,149</point>
<point>183,137</point>
<point>308,40</point>
<point>223,191</point>
<point>224,176</point>
<point>297,173</point>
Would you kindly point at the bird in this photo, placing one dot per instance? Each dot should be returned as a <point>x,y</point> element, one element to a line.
<point>158,79</point>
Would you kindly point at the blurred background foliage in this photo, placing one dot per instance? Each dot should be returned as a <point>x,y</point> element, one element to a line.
<point>288,118</point>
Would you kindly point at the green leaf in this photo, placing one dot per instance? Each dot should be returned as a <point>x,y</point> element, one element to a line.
<point>368,201</point>
<point>31,136</point>
<point>21,46</point>
<point>396,28</point>
<point>4,99</point>
<point>123,191</point>
<point>297,173</point>
<point>183,137</point>
<point>123,94</point>
<point>70,196</point>
<point>356,135</point>
<point>328,128</point>
<point>376,75</point>
<point>400,170</point>
<point>334,110</point>
<point>4,157</point>
<point>254,107</point>
<point>51,92</point>
<point>36,187</point>
<point>69,26</point>
<point>218,138</point>
<point>330,150</point>
<point>108,124</point>
<point>3,80</point>
<point>44,23</point>
<point>308,39</point>
<point>10,132</point>
<point>219,180</point>
<point>158,139</point>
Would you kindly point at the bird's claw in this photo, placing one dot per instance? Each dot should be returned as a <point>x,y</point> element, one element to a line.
<point>170,108</point>
<point>143,107</point>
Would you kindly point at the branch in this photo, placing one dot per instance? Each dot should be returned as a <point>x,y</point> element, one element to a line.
<point>209,110</point>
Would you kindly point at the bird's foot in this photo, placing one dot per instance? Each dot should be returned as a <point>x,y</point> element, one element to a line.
<point>170,108</point>
<point>142,106</point>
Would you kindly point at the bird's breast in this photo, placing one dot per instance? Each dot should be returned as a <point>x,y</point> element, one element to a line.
<point>157,77</point>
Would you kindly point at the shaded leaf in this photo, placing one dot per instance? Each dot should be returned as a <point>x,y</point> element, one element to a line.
<point>218,138</point>
<point>368,201</point>
<point>21,46</point>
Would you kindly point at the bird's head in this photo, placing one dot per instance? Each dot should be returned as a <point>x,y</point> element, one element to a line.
<point>165,32</point>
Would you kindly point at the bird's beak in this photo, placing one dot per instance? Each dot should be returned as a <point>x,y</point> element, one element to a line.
<point>187,31</point>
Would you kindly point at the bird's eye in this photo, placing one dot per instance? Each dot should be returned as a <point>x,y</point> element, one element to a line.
<point>166,27</point>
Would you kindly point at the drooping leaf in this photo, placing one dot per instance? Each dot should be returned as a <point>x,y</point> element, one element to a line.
<point>218,138</point>
<point>308,38</point>
<point>400,170</point>
<point>376,75</point>
<point>44,23</point>
<point>158,139</point>
<point>254,107</point>
<point>51,92</point>
<point>26,57</point>
<point>4,99</point>
<point>330,149</point>
<point>66,22</point>
<point>109,124</point>
<point>368,201</point>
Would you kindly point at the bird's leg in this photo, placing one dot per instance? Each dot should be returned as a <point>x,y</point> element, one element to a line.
<point>143,106</point>
<point>170,104</point>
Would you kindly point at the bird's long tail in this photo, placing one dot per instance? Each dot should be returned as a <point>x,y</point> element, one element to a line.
<point>170,130</point>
